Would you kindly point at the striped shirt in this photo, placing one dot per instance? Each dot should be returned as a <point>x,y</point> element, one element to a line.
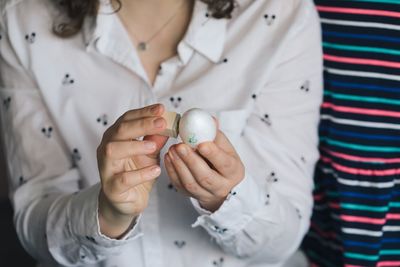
<point>356,219</point>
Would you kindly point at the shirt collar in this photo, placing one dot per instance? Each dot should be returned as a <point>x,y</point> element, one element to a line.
<point>205,34</point>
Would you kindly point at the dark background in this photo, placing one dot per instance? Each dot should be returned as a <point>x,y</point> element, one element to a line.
<point>11,252</point>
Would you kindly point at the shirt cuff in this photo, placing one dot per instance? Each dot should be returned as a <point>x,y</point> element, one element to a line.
<point>85,227</point>
<point>246,201</point>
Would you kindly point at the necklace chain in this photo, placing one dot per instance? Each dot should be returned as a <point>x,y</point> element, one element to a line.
<point>144,45</point>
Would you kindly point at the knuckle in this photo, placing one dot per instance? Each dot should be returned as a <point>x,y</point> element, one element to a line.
<point>228,164</point>
<point>109,150</point>
<point>205,180</point>
<point>190,186</point>
<point>141,175</point>
<point>124,179</point>
<point>124,116</point>
<point>144,123</point>
<point>221,193</point>
<point>147,123</point>
<point>121,128</point>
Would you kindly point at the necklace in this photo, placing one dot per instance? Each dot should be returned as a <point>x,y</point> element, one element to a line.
<point>144,45</point>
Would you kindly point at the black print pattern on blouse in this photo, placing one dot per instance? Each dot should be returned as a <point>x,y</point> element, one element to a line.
<point>1,37</point>
<point>269,19</point>
<point>171,187</point>
<point>47,131</point>
<point>219,230</point>
<point>30,38</point>
<point>91,239</point>
<point>272,178</point>
<point>267,199</point>
<point>266,119</point>
<point>7,102</point>
<point>103,119</point>
<point>298,213</point>
<point>208,17</point>
<point>21,180</point>
<point>223,61</point>
<point>180,244</point>
<point>219,262</point>
<point>305,86</point>
<point>254,96</point>
<point>75,157</point>
<point>175,101</point>
<point>67,80</point>
<point>231,194</point>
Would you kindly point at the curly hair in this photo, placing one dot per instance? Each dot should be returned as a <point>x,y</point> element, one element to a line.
<point>77,10</point>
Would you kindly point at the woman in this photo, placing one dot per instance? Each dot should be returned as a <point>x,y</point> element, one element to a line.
<point>100,78</point>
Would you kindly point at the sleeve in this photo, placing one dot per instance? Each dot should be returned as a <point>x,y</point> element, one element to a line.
<point>265,217</point>
<point>56,222</point>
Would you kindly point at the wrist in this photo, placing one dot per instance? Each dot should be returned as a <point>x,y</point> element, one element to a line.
<point>113,223</point>
<point>211,206</point>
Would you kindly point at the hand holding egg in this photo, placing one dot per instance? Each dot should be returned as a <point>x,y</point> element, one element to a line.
<point>211,171</point>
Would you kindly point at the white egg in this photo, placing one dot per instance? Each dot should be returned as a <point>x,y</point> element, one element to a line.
<point>197,126</point>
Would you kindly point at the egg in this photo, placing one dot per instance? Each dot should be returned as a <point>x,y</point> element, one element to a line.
<point>197,126</point>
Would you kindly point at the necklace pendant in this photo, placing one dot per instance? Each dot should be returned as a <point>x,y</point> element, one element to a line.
<point>142,46</point>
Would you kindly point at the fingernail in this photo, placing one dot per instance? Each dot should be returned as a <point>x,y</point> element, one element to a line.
<point>149,145</point>
<point>155,170</point>
<point>182,150</point>
<point>159,123</point>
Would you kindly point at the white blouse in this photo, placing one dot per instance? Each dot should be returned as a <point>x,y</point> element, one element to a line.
<point>259,73</point>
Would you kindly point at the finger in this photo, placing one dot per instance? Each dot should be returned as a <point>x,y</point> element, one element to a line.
<point>173,175</point>
<point>122,182</point>
<point>185,176</point>
<point>223,162</point>
<point>149,111</point>
<point>128,130</point>
<point>160,142</point>
<point>207,178</point>
<point>124,149</point>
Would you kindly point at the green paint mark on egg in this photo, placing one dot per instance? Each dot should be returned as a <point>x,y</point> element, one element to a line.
<point>192,139</point>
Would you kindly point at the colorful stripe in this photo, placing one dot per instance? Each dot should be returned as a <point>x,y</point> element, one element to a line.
<point>362,61</point>
<point>373,112</point>
<point>362,49</point>
<point>362,159</point>
<point>356,11</point>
